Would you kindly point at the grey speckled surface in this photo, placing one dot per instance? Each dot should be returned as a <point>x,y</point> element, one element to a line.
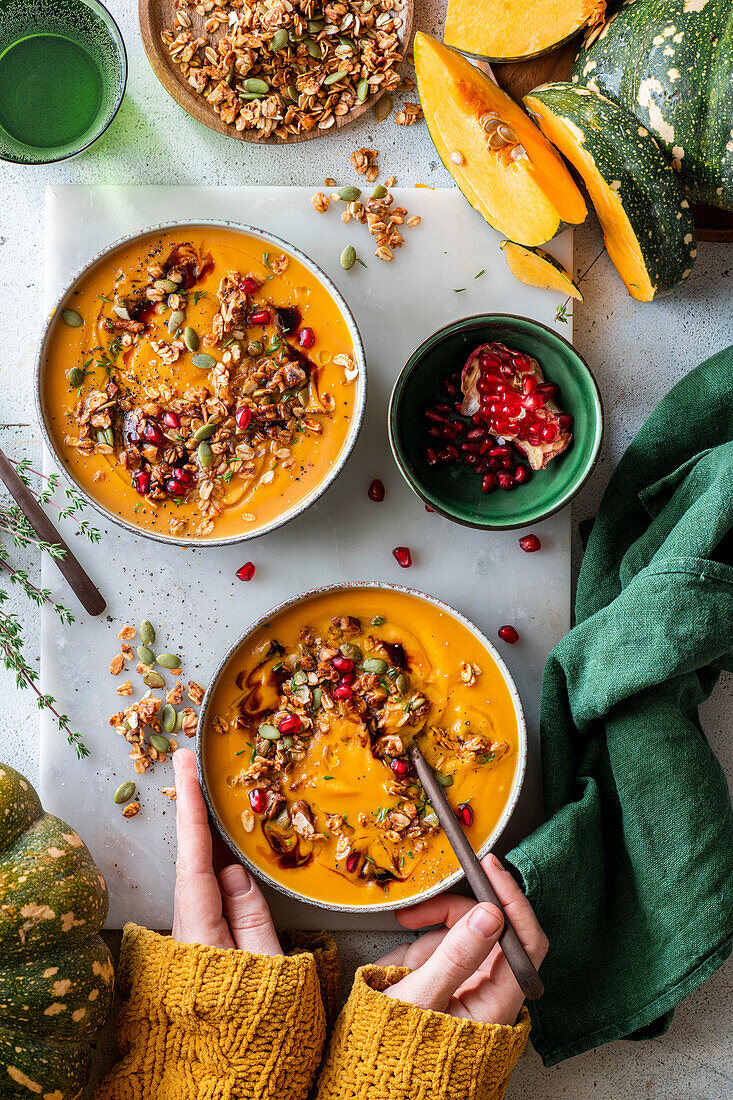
<point>637,353</point>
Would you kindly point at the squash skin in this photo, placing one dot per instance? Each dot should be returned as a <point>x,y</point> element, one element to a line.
<point>670,63</point>
<point>630,169</point>
<point>481,41</point>
<point>56,972</point>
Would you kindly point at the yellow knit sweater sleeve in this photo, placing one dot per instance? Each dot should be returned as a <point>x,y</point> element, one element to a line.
<point>199,1023</point>
<point>385,1049</point>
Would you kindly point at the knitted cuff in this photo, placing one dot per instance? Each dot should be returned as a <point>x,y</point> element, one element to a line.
<point>385,1049</point>
<point>195,1019</point>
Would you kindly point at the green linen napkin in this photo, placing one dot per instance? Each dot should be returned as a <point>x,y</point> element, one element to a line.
<point>632,875</point>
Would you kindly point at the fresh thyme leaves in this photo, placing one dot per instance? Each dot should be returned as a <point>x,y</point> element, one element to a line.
<point>561,313</point>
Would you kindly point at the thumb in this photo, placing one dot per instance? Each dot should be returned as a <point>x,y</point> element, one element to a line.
<point>456,959</point>
<point>246,912</point>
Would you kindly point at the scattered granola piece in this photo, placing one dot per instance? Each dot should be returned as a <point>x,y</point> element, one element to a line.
<point>329,182</point>
<point>131,809</point>
<point>169,792</point>
<point>127,633</point>
<point>116,664</point>
<point>320,202</point>
<point>190,722</point>
<point>127,652</point>
<point>468,676</point>
<point>175,695</point>
<point>195,693</point>
<point>413,221</point>
<point>126,688</point>
<point>409,115</point>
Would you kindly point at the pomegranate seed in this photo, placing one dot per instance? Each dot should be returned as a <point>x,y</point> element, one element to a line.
<point>175,487</point>
<point>529,543</point>
<point>435,416</point>
<point>347,678</point>
<point>442,407</point>
<point>402,556</point>
<point>352,862</point>
<point>343,691</point>
<point>430,457</point>
<point>243,417</point>
<point>427,509</point>
<point>465,814</point>
<point>246,572</point>
<point>472,460</point>
<point>249,285</point>
<point>141,482</point>
<point>153,434</point>
<point>499,452</point>
<point>260,317</point>
<point>505,480</point>
<point>488,481</point>
<point>399,767</point>
<point>451,431</point>
<point>529,385</point>
<point>471,448</point>
<point>306,337</point>
<point>549,433</point>
<point>488,361</point>
<point>521,362</point>
<point>185,476</point>
<point>258,800</point>
<point>435,431</point>
<point>291,724</point>
<point>476,433</point>
<point>507,464</point>
<point>564,421</point>
<point>376,493</point>
<point>171,420</point>
<point>501,427</point>
<point>547,389</point>
<point>449,388</point>
<point>534,401</point>
<point>508,634</point>
<point>342,664</point>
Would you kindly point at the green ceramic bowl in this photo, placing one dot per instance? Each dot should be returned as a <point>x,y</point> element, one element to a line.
<point>455,491</point>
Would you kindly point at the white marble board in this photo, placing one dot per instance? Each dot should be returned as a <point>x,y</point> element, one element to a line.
<point>193,597</point>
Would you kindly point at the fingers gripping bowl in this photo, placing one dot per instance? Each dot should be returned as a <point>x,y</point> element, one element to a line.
<point>201,382</point>
<point>305,732</point>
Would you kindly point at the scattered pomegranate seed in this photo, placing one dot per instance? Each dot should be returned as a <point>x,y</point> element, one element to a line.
<point>530,543</point>
<point>400,767</point>
<point>449,387</point>
<point>260,317</point>
<point>175,487</point>
<point>243,417</point>
<point>431,457</point>
<point>402,556</point>
<point>348,678</point>
<point>343,691</point>
<point>258,800</point>
<point>185,476</point>
<point>246,572</point>
<point>171,420</point>
<point>529,384</point>
<point>153,434</point>
<point>465,814</point>
<point>291,724</point>
<point>522,362</point>
<point>141,482</point>
<point>342,664</point>
<point>521,474</point>
<point>428,509</point>
<point>565,421</point>
<point>306,337</point>
<point>249,285</point>
<point>435,416</point>
<point>352,862</point>
<point>376,491</point>
<point>508,634</point>
<point>505,480</point>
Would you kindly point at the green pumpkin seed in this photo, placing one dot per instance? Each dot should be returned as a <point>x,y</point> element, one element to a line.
<point>205,454</point>
<point>431,818</point>
<point>293,93</point>
<point>179,722</point>
<point>303,397</point>
<point>287,742</point>
<point>175,321</point>
<point>106,435</point>
<point>333,78</point>
<point>351,651</point>
<point>254,84</point>
<point>250,97</point>
<point>190,338</point>
<point>444,780</point>
<point>313,49</point>
<point>168,718</point>
<point>124,792</point>
<point>75,377</point>
<point>315,26</point>
<point>402,683</point>
<point>204,432</point>
<point>204,361</point>
<point>349,194</point>
<point>346,42</point>
<point>72,318</point>
<point>379,192</point>
<point>159,742</point>
<point>255,347</point>
<point>270,733</point>
<point>296,39</point>
<point>317,694</point>
<point>279,39</point>
<point>348,257</point>
<point>375,664</point>
<point>300,677</point>
<point>362,90</point>
<point>145,655</point>
<point>146,632</point>
<point>152,679</point>
<point>165,284</point>
<point>168,660</point>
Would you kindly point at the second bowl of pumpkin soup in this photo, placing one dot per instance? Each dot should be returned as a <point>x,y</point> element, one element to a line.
<point>201,382</point>
<point>305,735</point>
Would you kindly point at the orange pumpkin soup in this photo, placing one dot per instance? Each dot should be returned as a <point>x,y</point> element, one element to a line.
<point>305,749</point>
<point>200,383</point>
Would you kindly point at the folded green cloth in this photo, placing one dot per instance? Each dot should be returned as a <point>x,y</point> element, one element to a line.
<point>632,875</point>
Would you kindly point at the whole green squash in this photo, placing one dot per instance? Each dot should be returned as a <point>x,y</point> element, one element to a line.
<point>56,972</point>
<point>670,63</point>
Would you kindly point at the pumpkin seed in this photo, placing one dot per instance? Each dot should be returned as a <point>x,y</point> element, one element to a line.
<point>349,194</point>
<point>179,722</point>
<point>296,39</point>
<point>317,694</point>
<point>204,432</point>
<point>379,192</point>
<point>270,733</point>
<point>72,318</point>
<point>507,133</point>
<point>333,78</point>
<point>444,780</point>
<point>159,742</point>
<point>254,84</point>
<point>250,97</point>
<point>190,338</point>
<point>496,141</point>
<point>293,93</point>
<point>346,43</point>
<point>145,655</point>
<point>124,792</point>
<point>279,39</point>
<point>362,90</point>
<point>175,321</point>
<point>383,107</point>
<point>375,664</point>
<point>152,679</point>
<point>169,660</point>
<point>431,818</point>
<point>165,284</point>
<point>146,632</point>
<point>168,718</point>
<point>313,49</point>
<point>204,361</point>
<point>315,26</point>
<point>300,677</point>
<point>348,257</point>
<point>402,683</point>
<point>255,347</point>
<point>303,396</point>
<point>287,742</point>
<point>75,377</point>
<point>351,651</point>
<point>205,454</point>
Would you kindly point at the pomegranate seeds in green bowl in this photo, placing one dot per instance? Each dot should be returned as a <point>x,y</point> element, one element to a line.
<point>496,421</point>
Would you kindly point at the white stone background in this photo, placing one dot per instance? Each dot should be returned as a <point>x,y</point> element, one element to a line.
<point>637,353</point>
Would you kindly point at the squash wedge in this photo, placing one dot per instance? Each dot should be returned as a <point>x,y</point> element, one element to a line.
<point>535,267</point>
<point>511,30</point>
<point>645,217</point>
<point>503,165</point>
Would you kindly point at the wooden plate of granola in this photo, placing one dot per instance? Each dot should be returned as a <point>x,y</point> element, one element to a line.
<point>296,73</point>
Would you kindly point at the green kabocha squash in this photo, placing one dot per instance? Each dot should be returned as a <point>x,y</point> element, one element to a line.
<point>645,217</point>
<point>56,973</point>
<point>670,63</point>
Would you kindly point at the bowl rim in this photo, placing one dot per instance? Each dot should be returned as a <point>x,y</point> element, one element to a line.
<point>517,782</point>
<point>122,48</point>
<point>413,363</point>
<point>357,418</point>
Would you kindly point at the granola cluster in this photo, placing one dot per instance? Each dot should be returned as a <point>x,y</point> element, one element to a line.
<point>378,213</point>
<point>278,68</point>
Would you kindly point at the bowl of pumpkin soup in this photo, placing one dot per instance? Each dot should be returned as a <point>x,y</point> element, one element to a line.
<point>304,742</point>
<point>201,382</point>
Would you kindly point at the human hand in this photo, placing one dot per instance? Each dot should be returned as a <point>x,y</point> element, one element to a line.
<point>460,969</point>
<point>226,912</point>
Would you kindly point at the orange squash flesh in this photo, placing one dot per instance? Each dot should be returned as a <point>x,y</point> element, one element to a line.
<point>535,267</point>
<point>509,30</point>
<point>527,198</point>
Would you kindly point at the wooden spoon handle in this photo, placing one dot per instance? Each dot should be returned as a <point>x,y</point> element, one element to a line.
<point>86,591</point>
